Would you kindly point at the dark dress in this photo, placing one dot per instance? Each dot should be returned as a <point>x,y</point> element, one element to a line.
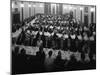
<point>59,63</point>
<point>40,57</point>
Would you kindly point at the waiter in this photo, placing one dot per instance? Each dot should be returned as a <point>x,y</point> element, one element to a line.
<point>40,44</point>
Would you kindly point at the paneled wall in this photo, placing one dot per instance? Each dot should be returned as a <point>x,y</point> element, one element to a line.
<point>31,8</point>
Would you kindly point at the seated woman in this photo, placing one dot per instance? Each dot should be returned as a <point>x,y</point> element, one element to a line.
<point>69,44</point>
<point>40,58</point>
<point>86,51</point>
<point>49,62</point>
<point>59,62</point>
<point>40,44</point>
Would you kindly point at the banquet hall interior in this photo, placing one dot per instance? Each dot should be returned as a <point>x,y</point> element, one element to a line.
<point>52,37</point>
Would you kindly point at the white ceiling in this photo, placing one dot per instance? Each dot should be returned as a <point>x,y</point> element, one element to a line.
<point>84,2</point>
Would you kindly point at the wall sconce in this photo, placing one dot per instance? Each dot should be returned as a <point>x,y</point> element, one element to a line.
<point>92,9</point>
<point>70,7</point>
<point>22,5</point>
<point>34,5</point>
<point>29,5</point>
<point>65,7</point>
<point>12,5</point>
<point>81,8</point>
<point>40,5</point>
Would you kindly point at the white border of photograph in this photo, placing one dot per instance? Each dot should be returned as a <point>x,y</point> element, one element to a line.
<point>5,26</point>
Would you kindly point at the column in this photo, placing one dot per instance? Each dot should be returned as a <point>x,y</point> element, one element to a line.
<point>29,9</point>
<point>81,9</point>
<point>22,6</point>
<point>60,9</point>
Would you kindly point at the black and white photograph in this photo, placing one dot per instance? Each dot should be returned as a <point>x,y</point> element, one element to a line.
<point>52,37</point>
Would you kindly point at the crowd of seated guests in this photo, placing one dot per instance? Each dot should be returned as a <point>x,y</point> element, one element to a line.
<point>23,63</point>
<point>16,26</point>
<point>62,33</point>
